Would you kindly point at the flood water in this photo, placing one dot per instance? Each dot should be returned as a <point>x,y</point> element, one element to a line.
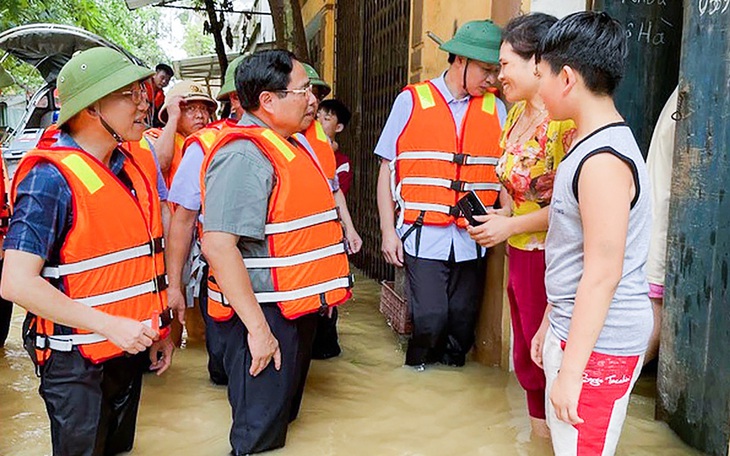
<point>362,403</point>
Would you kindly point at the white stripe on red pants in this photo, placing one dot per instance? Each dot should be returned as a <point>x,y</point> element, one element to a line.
<point>607,384</point>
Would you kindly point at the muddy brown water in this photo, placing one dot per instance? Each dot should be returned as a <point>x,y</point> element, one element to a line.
<point>362,403</point>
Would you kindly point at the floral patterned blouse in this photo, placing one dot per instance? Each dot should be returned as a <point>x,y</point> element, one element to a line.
<point>527,170</point>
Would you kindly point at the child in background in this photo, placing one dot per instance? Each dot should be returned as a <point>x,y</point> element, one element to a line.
<point>334,117</point>
<point>600,317</point>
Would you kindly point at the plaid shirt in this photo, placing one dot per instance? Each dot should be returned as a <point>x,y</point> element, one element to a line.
<point>42,213</point>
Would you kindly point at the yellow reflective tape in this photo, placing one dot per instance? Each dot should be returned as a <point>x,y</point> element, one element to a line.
<point>179,141</point>
<point>321,135</point>
<point>279,144</point>
<point>488,103</point>
<point>425,97</point>
<point>145,143</point>
<point>83,171</point>
<point>207,138</point>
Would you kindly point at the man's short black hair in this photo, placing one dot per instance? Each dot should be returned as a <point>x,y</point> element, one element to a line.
<point>164,67</point>
<point>263,71</point>
<point>337,108</point>
<point>524,32</point>
<point>593,44</point>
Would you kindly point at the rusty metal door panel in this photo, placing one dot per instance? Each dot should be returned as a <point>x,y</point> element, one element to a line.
<point>371,68</point>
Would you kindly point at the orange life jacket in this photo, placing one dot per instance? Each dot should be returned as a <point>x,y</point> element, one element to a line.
<point>205,137</point>
<point>142,153</point>
<point>434,167</point>
<point>112,258</point>
<point>320,143</point>
<point>152,135</point>
<point>308,262</point>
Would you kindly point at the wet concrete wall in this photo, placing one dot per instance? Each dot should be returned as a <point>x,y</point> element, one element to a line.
<point>694,391</point>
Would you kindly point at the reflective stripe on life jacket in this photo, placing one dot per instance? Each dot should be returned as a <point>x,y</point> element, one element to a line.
<point>434,166</point>
<point>112,257</point>
<point>308,263</point>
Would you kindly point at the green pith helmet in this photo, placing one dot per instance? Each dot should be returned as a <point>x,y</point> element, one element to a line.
<point>229,86</point>
<point>476,40</point>
<point>92,75</point>
<point>316,81</point>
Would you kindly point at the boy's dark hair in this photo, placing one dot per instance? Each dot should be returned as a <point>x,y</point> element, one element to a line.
<point>452,58</point>
<point>593,44</point>
<point>524,32</point>
<point>263,71</point>
<point>338,108</point>
<point>164,67</point>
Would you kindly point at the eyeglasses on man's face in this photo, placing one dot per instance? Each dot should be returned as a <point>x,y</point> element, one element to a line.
<point>303,91</point>
<point>192,110</point>
<point>137,95</point>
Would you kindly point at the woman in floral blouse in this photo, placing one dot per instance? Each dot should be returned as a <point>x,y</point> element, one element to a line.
<point>533,147</point>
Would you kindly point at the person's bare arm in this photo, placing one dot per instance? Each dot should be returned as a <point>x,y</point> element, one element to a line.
<point>22,284</point>
<point>353,239</point>
<point>392,246</point>
<point>166,216</point>
<point>605,219</point>
<point>180,236</point>
<point>221,252</point>
<point>165,144</point>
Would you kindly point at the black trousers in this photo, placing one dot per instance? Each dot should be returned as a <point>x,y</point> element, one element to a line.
<point>444,299</point>
<point>92,407</point>
<point>214,339</point>
<point>264,405</point>
<point>326,344</point>
<point>6,313</point>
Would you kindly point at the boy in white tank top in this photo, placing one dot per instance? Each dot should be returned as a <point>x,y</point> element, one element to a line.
<point>598,323</point>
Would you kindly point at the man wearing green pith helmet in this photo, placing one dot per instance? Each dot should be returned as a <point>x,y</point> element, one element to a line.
<point>84,256</point>
<point>185,192</point>
<point>441,141</point>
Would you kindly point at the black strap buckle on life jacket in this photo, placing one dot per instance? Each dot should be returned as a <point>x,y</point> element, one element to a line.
<point>459,159</point>
<point>458,185</point>
<point>350,280</point>
<point>455,211</point>
<point>166,317</point>
<point>161,283</point>
<point>158,245</point>
<point>417,225</point>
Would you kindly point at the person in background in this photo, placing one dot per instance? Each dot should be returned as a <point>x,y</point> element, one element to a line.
<point>187,109</point>
<point>533,147</point>
<point>155,92</point>
<point>334,117</point>
<point>186,228</point>
<point>659,163</point>
<point>315,140</point>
